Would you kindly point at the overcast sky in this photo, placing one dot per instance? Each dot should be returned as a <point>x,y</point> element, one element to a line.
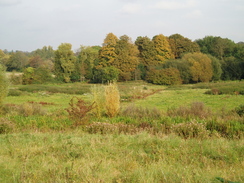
<point>27,25</point>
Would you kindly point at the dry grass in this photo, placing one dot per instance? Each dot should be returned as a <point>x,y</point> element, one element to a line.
<point>112,98</point>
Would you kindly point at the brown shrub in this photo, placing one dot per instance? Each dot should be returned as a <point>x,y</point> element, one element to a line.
<point>78,110</point>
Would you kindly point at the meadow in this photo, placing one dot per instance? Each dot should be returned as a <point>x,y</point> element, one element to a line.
<point>185,133</point>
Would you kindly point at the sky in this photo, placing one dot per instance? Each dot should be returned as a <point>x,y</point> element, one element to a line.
<point>27,25</point>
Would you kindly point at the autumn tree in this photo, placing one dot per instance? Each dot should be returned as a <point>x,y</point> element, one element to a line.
<point>181,45</point>
<point>126,60</point>
<point>200,67</point>
<point>107,53</point>
<point>162,48</point>
<point>3,58</point>
<point>64,62</point>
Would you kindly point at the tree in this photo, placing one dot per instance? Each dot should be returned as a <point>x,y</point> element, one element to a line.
<point>17,61</point>
<point>46,53</point>
<point>181,45</point>
<point>182,66</point>
<point>35,61</point>
<point>200,66</point>
<point>126,60</point>
<point>217,70</point>
<point>87,59</point>
<point>217,46</point>
<point>107,53</point>
<point>105,74</point>
<point>162,47</point>
<point>64,62</point>
<point>3,58</point>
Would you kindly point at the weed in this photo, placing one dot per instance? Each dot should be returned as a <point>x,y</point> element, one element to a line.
<point>78,110</point>
<point>98,94</point>
<point>6,126</point>
<point>240,110</point>
<point>197,109</point>
<point>29,109</point>
<point>112,98</point>
<point>191,129</point>
<point>141,112</point>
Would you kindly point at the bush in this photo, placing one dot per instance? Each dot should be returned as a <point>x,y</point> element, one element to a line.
<point>112,100</point>
<point>191,130</point>
<point>29,109</point>
<point>140,112</point>
<point>98,94</point>
<point>168,76</point>
<point>78,110</point>
<point>240,110</point>
<point>6,126</point>
<point>197,109</point>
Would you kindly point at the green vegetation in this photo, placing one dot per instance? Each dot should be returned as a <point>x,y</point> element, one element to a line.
<point>124,132</point>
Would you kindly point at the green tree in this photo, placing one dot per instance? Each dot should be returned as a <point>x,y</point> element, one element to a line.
<point>4,84</point>
<point>162,47</point>
<point>28,76</point>
<point>107,53</point>
<point>147,52</point>
<point>126,60</point>
<point>183,66</point>
<point>217,46</point>
<point>46,53</point>
<point>64,62</point>
<point>200,66</point>
<point>217,68</point>
<point>87,59</point>
<point>17,61</point>
<point>232,69</point>
<point>3,58</point>
<point>105,74</point>
<point>181,45</point>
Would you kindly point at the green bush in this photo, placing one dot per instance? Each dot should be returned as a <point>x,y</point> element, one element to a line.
<point>168,76</point>
<point>191,129</point>
<point>240,110</point>
<point>6,126</point>
<point>197,109</point>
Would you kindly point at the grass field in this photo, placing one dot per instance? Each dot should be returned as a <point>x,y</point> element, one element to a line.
<point>162,134</point>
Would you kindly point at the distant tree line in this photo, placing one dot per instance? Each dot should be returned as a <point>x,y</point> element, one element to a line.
<point>160,60</point>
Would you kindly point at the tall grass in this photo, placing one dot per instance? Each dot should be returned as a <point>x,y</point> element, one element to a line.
<point>79,157</point>
<point>112,98</point>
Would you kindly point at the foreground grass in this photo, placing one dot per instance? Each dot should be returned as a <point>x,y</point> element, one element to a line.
<point>76,156</point>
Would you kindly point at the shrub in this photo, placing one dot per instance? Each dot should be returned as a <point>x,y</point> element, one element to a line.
<point>168,76</point>
<point>140,112</point>
<point>78,110</point>
<point>16,78</point>
<point>240,110</point>
<point>191,129</point>
<point>197,109</point>
<point>6,126</point>
<point>112,99</point>
<point>99,100</point>
<point>29,109</point>
<point>14,92</point>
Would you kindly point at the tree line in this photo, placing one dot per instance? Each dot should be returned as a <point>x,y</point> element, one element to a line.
<point>160,60</point>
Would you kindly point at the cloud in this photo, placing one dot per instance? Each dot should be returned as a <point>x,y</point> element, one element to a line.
<point>194,14</point>
<point>131,8</point>
<point>175,5</point>
<point>9,2</point>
